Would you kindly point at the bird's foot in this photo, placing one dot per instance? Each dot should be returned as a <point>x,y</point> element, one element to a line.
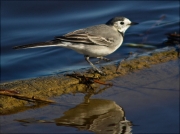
<point>101,72</point>
<point>93,70</point>
<point>102,58</point>
<point>105,59</point>
<point>97,62</point>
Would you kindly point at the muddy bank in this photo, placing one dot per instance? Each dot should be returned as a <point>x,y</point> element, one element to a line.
<point>46,87</point>
<point>143,101</point>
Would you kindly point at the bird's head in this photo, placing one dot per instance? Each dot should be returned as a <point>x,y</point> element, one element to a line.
<point>121,24</point>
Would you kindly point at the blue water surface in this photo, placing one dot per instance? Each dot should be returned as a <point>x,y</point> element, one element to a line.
<point>24,22</point>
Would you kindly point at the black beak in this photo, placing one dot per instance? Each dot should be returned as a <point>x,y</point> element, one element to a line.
<point>133,23</point>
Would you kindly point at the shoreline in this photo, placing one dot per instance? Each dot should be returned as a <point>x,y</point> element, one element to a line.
<point>55,85</point>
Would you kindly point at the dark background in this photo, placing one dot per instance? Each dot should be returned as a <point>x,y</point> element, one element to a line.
<point>24,22</point>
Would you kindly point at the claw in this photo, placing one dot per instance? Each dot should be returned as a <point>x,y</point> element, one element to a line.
<point>103,58</point>
<point>102,73</point>
<point>94,67</point>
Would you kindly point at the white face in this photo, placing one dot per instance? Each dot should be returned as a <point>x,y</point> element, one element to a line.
<point>122,26</point>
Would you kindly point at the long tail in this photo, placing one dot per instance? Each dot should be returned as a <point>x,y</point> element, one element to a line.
<point>40,44</point>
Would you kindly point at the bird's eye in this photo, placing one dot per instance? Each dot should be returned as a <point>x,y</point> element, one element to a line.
<point>122,23</point>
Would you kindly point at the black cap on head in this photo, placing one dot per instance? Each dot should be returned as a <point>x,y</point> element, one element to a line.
<point>111,21</point>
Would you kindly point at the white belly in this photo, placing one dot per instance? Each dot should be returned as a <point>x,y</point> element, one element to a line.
<point>91,50</point>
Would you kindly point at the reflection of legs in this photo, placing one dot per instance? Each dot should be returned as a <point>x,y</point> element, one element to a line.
<point>92,92</point>
<point>102,58</point>
<point>94,67</point>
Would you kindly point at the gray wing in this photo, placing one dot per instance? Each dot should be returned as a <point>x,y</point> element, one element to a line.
<point>87,36</point>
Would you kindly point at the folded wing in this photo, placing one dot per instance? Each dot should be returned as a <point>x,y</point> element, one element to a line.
<point>81,36</point>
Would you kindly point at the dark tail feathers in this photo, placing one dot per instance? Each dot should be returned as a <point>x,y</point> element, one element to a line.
<point>34,45</point>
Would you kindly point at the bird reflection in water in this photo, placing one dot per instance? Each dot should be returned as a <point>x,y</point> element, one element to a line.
<point>95,115</point>
<point>99,116</point>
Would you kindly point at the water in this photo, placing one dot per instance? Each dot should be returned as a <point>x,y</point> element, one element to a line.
<point>26,22</point>
<point>150,103</point>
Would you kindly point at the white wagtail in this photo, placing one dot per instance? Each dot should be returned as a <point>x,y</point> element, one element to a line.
<point>95,41</point>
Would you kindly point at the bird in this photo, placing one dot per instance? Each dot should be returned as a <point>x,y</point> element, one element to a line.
<point>95,41</point>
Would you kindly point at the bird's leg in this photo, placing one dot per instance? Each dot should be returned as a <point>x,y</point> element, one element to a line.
<point>94,67</point>
<point>99,59</point>
<point>102,58</point>
<point>105,59</point>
